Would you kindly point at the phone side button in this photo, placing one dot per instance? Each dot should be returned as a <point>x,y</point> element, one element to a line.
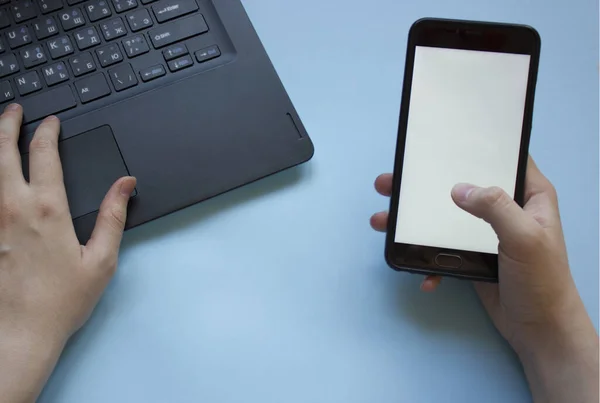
<point>448,261</point>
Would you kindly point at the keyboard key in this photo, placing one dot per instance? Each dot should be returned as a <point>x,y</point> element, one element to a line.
<point>45,27</point>
<point>166,10</point>
<point>109,55</point>
<point>112,29</point>
<point>23,10</point>
<point>207,54</point>
<point>152,72</point>
<point>8,65</point>
<point>60,47</point>
<point>28,83</point>
<point>18,37</point>
<point>175,51</point>
<point>82,64</point>
<point>178,30</point>
<point>47,103</point>
<point>124,5</point>
<point>122,77</point>
<point>6,91</point>
<point>55,73</point>
<point>97,10</point>
<point>181,63</point>
<point>139,20</point>
<point>86,38</point>
<point>135,46</point>
<point>71,19</point>
<point>48,6</point>
<point>2,47</point>
<point>92,88</point>
<point>4,20</point>
<point>33,55</point>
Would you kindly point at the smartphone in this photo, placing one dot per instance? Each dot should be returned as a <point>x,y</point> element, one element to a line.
<point>466,114</point>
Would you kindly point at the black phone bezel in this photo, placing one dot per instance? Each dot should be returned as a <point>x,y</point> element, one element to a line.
<point>467,35</point>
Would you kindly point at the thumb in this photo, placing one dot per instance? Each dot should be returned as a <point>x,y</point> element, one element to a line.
<point>108,232</point>
<point>496,207</point>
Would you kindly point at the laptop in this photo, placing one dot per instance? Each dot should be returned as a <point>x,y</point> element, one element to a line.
<point>179,93</point>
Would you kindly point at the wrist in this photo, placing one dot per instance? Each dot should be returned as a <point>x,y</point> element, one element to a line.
<point>31,357</point>
<point>30,340</point>
<point>561,361</point>
<point>565,330</point>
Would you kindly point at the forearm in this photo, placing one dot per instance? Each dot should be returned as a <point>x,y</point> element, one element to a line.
<point>563,367</point>
<point>26,363</point>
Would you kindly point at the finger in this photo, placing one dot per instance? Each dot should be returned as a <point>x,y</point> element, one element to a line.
<point>540,197</point>
<point>383,184</point>
<point>103,246</point>
<point>379,221</point>
<point>10,158</point>
<point>45,168</point>
<point>536,182</point>
<point>541,200</point>
<point>431,283</point>
<point>495,206</point>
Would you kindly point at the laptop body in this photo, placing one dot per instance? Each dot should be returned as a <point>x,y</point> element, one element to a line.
<point>179,93</point>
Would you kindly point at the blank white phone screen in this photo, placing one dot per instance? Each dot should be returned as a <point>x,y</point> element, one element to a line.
<point>464,126</point>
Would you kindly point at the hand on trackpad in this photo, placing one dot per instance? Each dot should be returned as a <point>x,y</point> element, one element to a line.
<point>91,163</point>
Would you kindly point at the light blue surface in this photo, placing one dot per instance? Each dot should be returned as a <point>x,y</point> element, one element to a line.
<point>278,292</point>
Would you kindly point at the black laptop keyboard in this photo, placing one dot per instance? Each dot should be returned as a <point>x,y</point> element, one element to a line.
<point>56,55</point>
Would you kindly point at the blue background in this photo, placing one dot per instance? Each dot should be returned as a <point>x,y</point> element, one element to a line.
<point>303,308</point>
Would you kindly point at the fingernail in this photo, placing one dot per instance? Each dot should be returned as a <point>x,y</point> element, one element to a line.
<point>12,107</point>
<point>51,118</point>
<point>127,186</point>
<point>462,191</point>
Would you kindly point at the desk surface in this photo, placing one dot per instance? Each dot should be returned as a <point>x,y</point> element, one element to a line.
<point>306,309</point>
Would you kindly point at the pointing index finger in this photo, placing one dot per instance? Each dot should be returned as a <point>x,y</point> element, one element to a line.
<point>45,168</point>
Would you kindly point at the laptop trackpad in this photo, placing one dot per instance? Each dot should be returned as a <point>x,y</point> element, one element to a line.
<point>91,163</point>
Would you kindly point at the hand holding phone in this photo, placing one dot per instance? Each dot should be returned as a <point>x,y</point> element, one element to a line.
<point>466,115</point>
<point>536,305</point>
